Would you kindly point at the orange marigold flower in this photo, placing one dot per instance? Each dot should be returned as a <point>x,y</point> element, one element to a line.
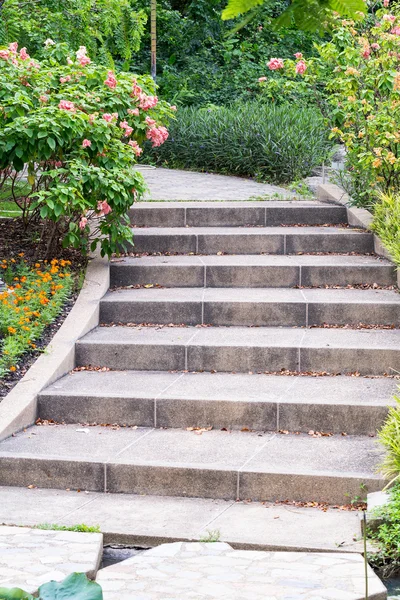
<point>12,330</point>
<point>13,368</point>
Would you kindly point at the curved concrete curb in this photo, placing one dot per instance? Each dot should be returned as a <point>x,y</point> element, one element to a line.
<point>357,217</point>
<point>19,407</point>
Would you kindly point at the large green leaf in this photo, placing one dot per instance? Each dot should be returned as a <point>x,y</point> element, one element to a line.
<point>235,8</point>
<point>14,594</point>
<point>76,586</point>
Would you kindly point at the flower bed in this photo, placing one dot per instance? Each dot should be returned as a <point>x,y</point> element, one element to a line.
<point>33,298</point>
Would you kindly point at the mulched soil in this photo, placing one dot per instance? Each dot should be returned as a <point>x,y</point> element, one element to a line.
<point>13,241</point>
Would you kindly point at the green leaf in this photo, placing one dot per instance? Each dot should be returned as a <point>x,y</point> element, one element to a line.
<point>14,594</point>
<point>234,8</point>
<point>51,142</point>
<point>74,587</point>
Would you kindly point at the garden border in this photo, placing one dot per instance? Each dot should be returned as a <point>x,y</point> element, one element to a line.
<point>357,217</point>
<point>19,408</point>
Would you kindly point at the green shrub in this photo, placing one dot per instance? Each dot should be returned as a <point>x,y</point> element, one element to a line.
<point>386,223</point>
<point>389,437</point>
<point>272,143</point>
<point>386,557</point>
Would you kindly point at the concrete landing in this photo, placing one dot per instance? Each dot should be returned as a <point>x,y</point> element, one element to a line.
<point>30,557</point>
<point>215,570</point>
<point>153,520</point>
<point>173,184</point>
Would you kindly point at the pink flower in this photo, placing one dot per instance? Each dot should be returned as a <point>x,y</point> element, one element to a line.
<point>67,105</point>
<point>136,89</point>
<point>69,61</point>
<point>385,3</point>
<point>82,56</point>
<point>390,18</point>
<point>150,122</point>
<point>83,222</point>
<point>65,79</point>
<point>58,164</point>
<point>133,111</point>
<point>103,208</point>
<point>135,147</point>
<point>260,79</point>
<point>173,107</point>
<point>299,55</point>
<point>43,98</point>
<point>23,54</point>
<point>86,143</point>
<point>92,118</point>
<point>5,54</point>
<point>275,63</point>
<point>128,131</point>
<point>111,82</point>
<point>301,67</point>
<point>157,135</point>
<point>395,30</point>
<point>13,47</point>
<point>107,117</point>
<point>146,102</point>
<point>124,124</point>
<point>366,52</point>
<point>375,46</point>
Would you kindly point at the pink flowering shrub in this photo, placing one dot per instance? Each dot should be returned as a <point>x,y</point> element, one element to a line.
<point>356,82</point>
<point>75,132</point>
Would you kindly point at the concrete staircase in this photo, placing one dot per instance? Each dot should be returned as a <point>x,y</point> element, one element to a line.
<point>230,362</point>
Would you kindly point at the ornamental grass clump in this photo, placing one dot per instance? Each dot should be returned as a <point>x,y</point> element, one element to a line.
<point>386,223</point>
<point>273,143</point>
<point>33,298</point>
<point>389,437</point>
<point>73,130</point>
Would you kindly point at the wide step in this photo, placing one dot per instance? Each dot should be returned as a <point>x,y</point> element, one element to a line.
<point>252,240</point>
<point>252,271</point>
<point>251,306</point>
<point>242,349</point>
<point>233,401</point>
<point>231,214</point>
<point>174,462</point>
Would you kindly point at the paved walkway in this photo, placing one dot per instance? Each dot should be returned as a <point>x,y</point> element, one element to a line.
<point>204,571</point>
<point>30,557</point>
<point>173,184</point>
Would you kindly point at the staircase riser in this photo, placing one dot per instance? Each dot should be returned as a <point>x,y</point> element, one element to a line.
<point>253,244</point>
<point>236,216</point>
<point>271,314</point>
<point>249,276</point>
<point>183,413</point>
<point>367,361</point>
<point>182,481</point>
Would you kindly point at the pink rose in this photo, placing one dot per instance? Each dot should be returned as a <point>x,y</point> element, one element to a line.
<point>146,102</point>
<point>83,222</point>
<point>13,47</point>
<point>299,55</point>
<point>107,117</point>
<point>103,208</point>
<point>85,60</point>
<point>275,63</point>
<point>111,82</point>
<point>133,111</point>
<point>260,79</point>
<point>150,122</point>
<point>301,67</point>
<point>67,105</point>
<point>5,54</point>
<point>135,147</point>
<point>86,143</point>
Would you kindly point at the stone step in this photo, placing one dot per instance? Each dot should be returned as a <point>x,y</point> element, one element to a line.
<point>155,520</point>
<point>252,271</point>
<point>231,214</point>
<point>357,405</point>
<point>175,462</point>
<point>251,306</point>
<point>252,240</point>
<point>241,349</point>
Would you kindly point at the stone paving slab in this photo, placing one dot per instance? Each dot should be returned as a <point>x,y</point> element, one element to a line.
<point>153,520</point>
<point>174,184</point>
<point>200,571</point>
<point>30,557</point>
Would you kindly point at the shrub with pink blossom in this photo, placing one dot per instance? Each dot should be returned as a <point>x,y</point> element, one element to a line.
<point>74,129</point>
